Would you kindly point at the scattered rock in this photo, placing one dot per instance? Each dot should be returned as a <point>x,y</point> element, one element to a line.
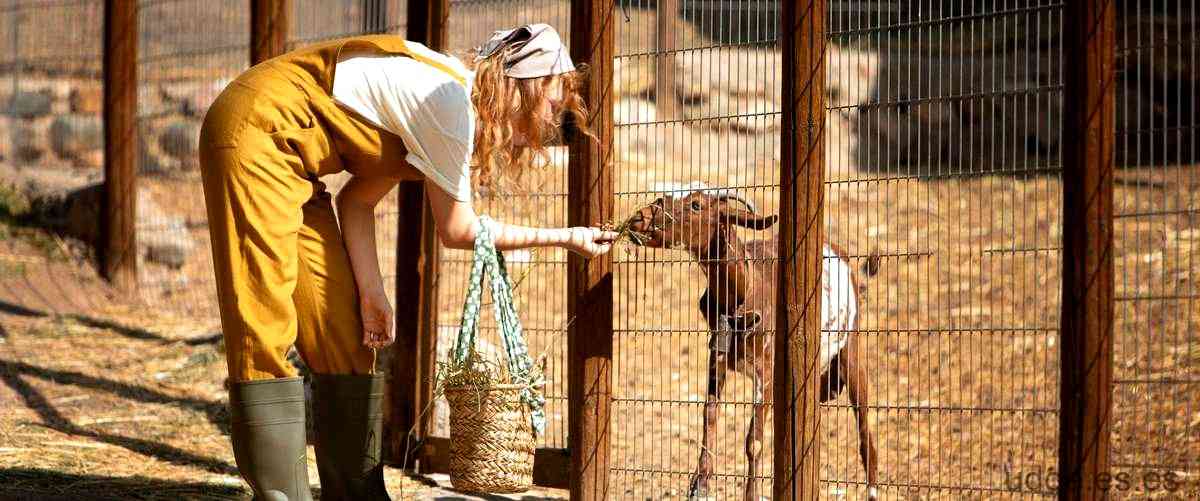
<point>167,241</point>
<point>631,110</point>
<point>87,99</point>
<point>57,88</point>
<point>181,140</point>
<point>30,104</point>
<point>192,98</point>
<point>93,159</point>
<point>29,143</point>
<point>633,77</point>
<point>153,163</point>
<point>162,237</point>
<point>151,160</point>
<point>82,214</point>
<point>66,202</point>
<point>73,136</point>
<point>750,114</point>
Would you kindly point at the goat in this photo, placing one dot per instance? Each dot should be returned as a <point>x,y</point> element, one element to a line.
<point>739,305</point>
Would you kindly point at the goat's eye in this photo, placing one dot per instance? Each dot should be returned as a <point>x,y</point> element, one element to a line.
<point>696,205</point>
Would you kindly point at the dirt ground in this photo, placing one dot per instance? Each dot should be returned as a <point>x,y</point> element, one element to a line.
<point>118,404</point>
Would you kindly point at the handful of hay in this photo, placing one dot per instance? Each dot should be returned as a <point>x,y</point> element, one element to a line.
<point>625,231</point>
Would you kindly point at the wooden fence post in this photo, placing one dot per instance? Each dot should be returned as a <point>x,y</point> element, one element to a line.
<point>118,248</point>
<point>1086,347</point>
<point>414,355</point>
<point>665,96</point>
<point>268,29</point>
<point>589,282</point>
<point>801,193</point>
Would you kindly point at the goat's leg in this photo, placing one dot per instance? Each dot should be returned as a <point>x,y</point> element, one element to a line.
<point>755,436</point>
<point>856,383</point>
<point>716,385</point>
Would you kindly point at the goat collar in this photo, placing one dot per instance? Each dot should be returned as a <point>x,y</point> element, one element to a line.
<point>721,245</point>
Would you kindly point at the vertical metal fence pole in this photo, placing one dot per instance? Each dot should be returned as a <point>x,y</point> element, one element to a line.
<point>1086,347</point>
<point>414,354</point>
<point>268,29</point>
<point>801,192</point>
<point>118,250</point>
<point>589,282</point>
<point>665,96</point>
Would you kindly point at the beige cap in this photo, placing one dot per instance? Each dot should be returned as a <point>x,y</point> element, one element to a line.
<point>530,51</point>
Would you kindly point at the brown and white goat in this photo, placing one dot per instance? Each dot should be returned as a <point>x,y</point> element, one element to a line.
<point>739,305</point>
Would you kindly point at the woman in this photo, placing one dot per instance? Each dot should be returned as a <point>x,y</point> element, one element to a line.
<point>288,273</point>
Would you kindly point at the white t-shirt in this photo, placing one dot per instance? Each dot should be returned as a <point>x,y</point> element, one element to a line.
<point>428,108</point>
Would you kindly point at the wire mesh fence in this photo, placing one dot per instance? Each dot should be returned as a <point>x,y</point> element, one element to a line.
<point>954,183</point>
<point>51,143</point>
<point>181,70</point>
<point>711,130</point>
<point>1156,393</point>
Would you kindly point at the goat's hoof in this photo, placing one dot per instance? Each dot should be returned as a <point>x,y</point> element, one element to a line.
<point>698,491</point>
<point>872,493</point>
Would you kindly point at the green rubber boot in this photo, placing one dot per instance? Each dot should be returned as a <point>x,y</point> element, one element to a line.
<point>267,421</point>
<point>348,420</point>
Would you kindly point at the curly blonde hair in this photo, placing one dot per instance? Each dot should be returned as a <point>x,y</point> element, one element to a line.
<point>505,106</point>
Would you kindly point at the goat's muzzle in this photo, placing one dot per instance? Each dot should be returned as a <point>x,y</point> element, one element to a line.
<point>647,222</point>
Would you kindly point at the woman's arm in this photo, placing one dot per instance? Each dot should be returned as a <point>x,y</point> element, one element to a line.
<point>457,223</point>
<point>356,212</point>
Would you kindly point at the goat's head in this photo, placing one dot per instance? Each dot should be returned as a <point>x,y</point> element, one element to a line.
<point>692,221</point>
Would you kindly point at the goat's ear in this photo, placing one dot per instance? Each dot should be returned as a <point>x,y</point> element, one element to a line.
<point>742,217</point>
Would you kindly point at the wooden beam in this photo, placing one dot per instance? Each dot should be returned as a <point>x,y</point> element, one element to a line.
<point>268,29</point>
<point>665,96</point>
<point>414,355</point>
<point>798,309</point>
<point>589,282</point>
<point>427,21</point>
<point>118,246</point>
<point>1086,347</point>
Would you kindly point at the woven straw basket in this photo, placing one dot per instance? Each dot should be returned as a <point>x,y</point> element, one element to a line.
<point>491,442</point>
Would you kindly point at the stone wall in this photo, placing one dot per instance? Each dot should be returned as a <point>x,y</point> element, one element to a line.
<point>55,123</point>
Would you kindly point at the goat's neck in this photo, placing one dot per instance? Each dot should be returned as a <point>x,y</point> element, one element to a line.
<point>729,272</point>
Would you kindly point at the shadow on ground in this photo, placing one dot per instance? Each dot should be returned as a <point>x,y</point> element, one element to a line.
<point>13,374</point>
<point>49,485</point>
<point>101,323</point>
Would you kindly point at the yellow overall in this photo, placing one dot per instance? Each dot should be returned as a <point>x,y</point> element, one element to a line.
<point>283,276</point>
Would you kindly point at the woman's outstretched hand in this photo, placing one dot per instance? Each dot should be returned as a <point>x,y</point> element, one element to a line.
<point>377,320</point>
<point>589,241</point>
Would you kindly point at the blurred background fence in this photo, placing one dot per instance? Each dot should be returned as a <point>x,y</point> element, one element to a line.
<point>943,140</point>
